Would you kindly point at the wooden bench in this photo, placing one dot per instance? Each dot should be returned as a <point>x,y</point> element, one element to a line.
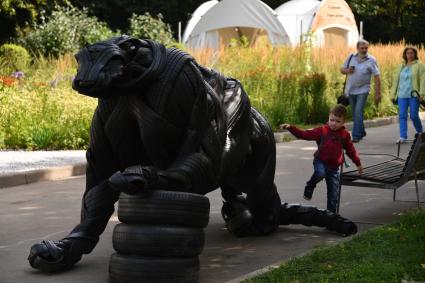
<point>391,174</point>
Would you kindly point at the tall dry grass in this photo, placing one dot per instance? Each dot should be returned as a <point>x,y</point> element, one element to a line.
<point>270,74</point>
<point>294,85</point>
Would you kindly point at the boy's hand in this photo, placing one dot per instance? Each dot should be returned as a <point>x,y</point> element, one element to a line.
<point>360,169</point>
<point>284,126</point>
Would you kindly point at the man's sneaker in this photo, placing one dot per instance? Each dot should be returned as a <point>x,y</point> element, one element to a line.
<point>306,198</point>
<point>308,194</point>
<point>401,140</point>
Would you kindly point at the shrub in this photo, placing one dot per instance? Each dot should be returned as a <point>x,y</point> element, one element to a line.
<point>146,26</point>
<point>42,111</point>
<point>13,58</point>
<point>66,30</point>
<point>40,117</point>
<point>312,105</point>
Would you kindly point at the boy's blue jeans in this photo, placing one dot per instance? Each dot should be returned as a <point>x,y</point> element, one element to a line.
<point>357,103</point>
<point>413,104</point>
<point>321,171</point>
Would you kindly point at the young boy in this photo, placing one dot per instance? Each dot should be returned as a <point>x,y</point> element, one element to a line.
<point>331,138</point>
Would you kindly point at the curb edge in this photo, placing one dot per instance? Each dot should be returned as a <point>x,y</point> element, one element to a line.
<point>39,175</point>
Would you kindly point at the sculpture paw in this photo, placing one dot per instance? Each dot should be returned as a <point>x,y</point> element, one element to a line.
<point>237,216</point>
<point>133,179</point>
<point>52,256</point>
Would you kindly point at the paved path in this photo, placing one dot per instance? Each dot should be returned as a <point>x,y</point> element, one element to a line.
<point>48,210</point>
<point>25,167</point>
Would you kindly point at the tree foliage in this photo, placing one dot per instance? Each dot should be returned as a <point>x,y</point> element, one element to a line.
<point>146,26</point>
<point>391,20</point>
<point>67,29</point>
<point>15,15</point>
<point>384,20</point>
<point>114,11</point>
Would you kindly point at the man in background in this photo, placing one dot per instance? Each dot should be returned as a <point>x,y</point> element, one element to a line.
<point>360,70</point>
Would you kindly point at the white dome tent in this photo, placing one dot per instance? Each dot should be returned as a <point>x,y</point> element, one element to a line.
<point>331,22</point>
<point>196,16</point>
<point>296,17</point>
<point>217,22</point>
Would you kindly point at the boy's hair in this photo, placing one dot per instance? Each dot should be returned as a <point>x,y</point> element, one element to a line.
<point>339,110</point>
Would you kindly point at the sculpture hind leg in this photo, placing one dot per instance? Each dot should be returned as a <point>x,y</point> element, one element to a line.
<point>312,216</point>
<point>261,212</point>
<point>258,214</point>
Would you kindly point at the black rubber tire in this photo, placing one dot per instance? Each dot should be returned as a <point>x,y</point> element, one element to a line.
<point>161,241</point>
<point>165,208</point>
<point>135,269</point>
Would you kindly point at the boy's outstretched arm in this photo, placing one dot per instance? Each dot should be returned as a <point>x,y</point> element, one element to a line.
<point>311,135</point>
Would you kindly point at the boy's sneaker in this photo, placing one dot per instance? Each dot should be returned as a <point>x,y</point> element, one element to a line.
<point>308,194</point>
<point>401,140</point>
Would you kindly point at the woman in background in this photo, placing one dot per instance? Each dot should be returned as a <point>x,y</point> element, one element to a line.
<point>408,89</point>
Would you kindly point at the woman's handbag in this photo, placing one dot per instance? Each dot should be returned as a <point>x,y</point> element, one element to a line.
<point>343,99</point>
<point>394,101</point>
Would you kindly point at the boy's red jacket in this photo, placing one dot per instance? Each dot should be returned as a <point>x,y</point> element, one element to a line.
<point>332,144</point>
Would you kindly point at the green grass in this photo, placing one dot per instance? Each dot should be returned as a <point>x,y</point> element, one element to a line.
<point>387,254</point>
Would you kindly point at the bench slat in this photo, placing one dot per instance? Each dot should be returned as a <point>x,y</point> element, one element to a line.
<point>394,170</point>
<point>388,169</point>
<point>387,172</point>
<point>377,167</point>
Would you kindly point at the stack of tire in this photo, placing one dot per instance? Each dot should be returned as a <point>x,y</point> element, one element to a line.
<point>160,238</point>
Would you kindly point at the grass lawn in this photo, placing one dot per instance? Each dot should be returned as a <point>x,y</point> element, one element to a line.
<point>390,253</point>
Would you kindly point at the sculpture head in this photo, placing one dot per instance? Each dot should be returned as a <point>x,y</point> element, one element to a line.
<point>109,65</point>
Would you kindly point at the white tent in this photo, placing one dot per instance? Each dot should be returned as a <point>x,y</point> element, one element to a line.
<point>296,17</point>
<point>217,22</point>
<point>196,16</point>
<point>330,22</point>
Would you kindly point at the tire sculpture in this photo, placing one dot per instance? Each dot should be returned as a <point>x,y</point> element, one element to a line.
<point>154,230</point>
<point>165,208</point>
<point>124,269</point>
<point>164,122</point>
